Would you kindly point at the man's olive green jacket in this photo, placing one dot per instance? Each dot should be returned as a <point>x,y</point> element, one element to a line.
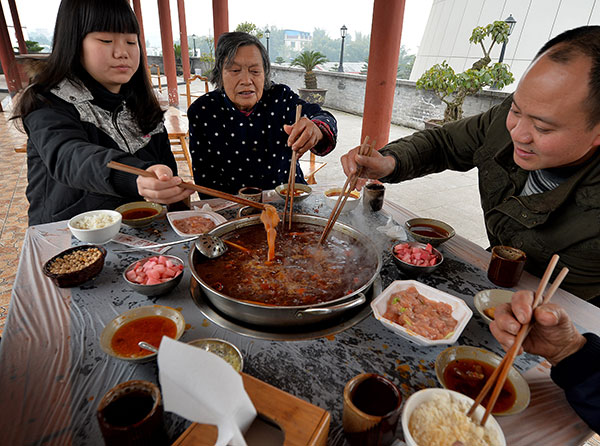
<point>565,220</point>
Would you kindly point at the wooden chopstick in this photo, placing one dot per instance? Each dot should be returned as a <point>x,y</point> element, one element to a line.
<point>501,372</point>
<point>349,186</point>
<point>289,193</point>
<point>205,190</point>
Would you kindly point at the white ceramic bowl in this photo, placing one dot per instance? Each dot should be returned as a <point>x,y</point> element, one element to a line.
<point>217,219</point>
<point>460,311</point>
<point>488,299</point>
<point>96,236</point>
<point>305,190</point>
<point>138,313</point>
<point>422,396</point>
<point>331,197</point>
<point>523,394</point>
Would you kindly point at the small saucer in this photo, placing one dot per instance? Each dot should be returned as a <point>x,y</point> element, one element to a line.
<point>488,299</point>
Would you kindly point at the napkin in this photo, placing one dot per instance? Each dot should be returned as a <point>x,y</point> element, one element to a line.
<point>393,230</point>
<point>202,387</point>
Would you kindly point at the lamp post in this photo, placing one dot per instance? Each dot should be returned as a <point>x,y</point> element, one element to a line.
<point>194,43</point>
<point>343,32</point>
<point>268,35</point>
<point>510,20</point>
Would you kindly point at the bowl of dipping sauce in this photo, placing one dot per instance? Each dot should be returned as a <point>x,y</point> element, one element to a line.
<point>138,214</point>
<point>439,416</point>
<point>120,337</point>
<point>223,349</point>
<point>429,230</point>
<point>301,191</point>
<point>466,369</point>
<point>75,266</point>
<point>332,195</point>
<point>486,302</point>
<point>96,227</point>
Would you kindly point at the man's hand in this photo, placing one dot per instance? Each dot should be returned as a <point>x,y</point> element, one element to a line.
<point>303,135</point>
<point>375,166</point>
<point>164,188</point>
<point>552,336</point>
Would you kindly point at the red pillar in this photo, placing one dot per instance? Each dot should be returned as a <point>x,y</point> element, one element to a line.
<point>137,9</point>
<point>386,30</point>
<point>7,58</point>
<point>220,18</point>
<point>17,25</point>
<point>185,52</point>
<point>166,35</point>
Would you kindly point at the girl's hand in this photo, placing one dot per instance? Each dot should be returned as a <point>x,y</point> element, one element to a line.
<point>304,135</point>
<point>374,167</point>
<point>164,188</point>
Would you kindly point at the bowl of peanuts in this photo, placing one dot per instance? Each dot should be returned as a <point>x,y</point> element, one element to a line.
<point>76,265</point>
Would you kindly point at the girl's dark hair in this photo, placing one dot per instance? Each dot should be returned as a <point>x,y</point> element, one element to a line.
<point>227,47</point>
<point>75,20</point>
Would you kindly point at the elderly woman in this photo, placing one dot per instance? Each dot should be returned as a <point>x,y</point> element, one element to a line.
<point>243,133</point>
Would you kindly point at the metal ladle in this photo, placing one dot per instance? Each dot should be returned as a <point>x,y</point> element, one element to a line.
<point>210,246</point>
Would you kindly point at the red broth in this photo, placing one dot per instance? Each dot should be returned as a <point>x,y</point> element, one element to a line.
<point>150,329</point>
<point>135,214</point>
<point>468,376</point>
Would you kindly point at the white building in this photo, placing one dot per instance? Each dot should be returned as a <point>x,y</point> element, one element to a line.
<point>296,40</point>
<point>451,22</point>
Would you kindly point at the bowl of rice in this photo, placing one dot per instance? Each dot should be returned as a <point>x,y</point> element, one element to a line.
<point>439,417</point>
<point>95,227</point>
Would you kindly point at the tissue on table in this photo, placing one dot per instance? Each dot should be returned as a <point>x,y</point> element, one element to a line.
<point>393,230</point>
<point>202,387</point>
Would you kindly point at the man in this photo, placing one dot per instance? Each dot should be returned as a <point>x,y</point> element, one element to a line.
<point>539,169</point>
<point>575,358</point>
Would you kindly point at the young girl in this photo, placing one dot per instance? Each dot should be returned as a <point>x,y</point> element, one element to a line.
<point>92,103</point>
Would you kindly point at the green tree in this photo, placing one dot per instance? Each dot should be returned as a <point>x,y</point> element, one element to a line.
<point>309,60</point>
<point>405,63</point>
<point>279,60</point>
<point>32,46</point>
<point>250,28</point>
<point>452,88</point>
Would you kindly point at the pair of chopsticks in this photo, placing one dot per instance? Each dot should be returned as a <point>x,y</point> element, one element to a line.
<point>504,367</point>
<point>289,193</point>
<point>205,190</point>
<point>349,186</point>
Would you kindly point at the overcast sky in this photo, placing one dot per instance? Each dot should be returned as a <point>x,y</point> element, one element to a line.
<point>304,15</point>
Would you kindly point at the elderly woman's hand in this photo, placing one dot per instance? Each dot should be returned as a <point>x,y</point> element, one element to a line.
<point>374,166</point>
<point>552,336</point>
<point>303,135</point>
<point>164,188</point>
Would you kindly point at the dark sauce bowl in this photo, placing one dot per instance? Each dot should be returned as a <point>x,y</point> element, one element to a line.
<point>429,230</point>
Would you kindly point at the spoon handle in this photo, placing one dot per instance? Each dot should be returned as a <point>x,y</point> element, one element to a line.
<point>147,346</point>
<point>160,245</point>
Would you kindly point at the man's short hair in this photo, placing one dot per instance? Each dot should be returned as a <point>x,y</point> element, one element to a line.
<point>585,41</point>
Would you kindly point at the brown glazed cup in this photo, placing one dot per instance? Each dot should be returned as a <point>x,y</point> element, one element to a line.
<point>373,196</point>
<point>506,266</point>
<point>371,410</point>
<point>131,413</point>
<point>251,193</point>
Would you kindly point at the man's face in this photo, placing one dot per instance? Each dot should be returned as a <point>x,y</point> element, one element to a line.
<point>244,78</point>
<point>548,122</point>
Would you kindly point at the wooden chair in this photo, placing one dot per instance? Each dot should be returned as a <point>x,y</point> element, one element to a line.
<point>188,89</point>
<point>310,168</point>
<point>177,128</point>
<point>157,75</point>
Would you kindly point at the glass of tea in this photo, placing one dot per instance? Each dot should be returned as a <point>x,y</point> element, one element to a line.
<point>251,193</point>
<point>371,410</point>
<point>506,266</point>
<point>131,413</point>
<point>373,196</point>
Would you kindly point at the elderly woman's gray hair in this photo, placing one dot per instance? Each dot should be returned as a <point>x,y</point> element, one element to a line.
<point>227,47</point>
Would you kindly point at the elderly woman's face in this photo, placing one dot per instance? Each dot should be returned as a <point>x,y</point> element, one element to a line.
<point>244,78</point>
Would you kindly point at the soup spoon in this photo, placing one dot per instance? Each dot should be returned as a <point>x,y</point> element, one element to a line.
<point>210,246</point>
<point>147,346</point>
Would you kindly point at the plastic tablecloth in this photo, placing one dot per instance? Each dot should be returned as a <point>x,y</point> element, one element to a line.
<point>53,372</point>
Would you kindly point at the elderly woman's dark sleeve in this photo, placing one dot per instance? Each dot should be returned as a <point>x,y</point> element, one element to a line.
<point>326,122</point>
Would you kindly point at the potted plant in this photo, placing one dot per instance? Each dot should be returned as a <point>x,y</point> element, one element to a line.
<point>309,60</point>
<point>452,88</point>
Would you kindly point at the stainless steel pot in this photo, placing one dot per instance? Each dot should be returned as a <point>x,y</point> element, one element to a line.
<point>287,316</point>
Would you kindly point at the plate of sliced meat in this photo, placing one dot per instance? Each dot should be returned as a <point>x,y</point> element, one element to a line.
<point>186,223</point>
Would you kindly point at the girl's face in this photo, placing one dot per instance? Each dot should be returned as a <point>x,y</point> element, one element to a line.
<point>110,58</point>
